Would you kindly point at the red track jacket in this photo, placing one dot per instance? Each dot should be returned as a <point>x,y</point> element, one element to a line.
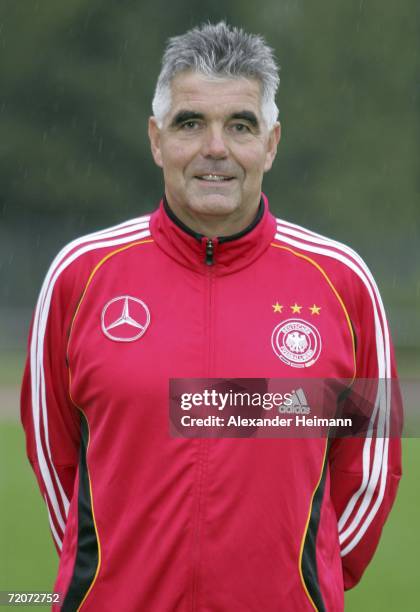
<point>147,522</point>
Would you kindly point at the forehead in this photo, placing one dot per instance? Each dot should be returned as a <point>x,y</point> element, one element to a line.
<point>210,96</point>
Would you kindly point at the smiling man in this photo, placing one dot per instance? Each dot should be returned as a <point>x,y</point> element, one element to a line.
<point>214,146</point>
<point>209,286</point>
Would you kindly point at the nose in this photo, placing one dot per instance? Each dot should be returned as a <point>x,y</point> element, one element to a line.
<point>214,144</point>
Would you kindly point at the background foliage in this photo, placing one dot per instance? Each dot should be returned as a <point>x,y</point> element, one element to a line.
<point>77,80</point>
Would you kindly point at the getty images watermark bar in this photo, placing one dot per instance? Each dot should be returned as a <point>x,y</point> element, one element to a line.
<point>284,408</point>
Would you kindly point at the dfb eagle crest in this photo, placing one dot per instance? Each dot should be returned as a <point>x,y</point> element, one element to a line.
<point>296,342</point>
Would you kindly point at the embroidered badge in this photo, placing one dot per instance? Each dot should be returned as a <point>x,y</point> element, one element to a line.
<point>296,342</point>
<point>125,319</point>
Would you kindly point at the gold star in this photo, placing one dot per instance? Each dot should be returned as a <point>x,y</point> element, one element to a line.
<point>277,307</point>
<point>296,308</point>
<point>315,309</point>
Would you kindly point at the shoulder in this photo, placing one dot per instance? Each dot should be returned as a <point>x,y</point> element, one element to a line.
<point>352,280</point>
<point>342,264</point>
<point>72,266</point>
<point>82,254</point>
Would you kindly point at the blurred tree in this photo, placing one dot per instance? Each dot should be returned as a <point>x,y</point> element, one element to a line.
<point>77,80</point>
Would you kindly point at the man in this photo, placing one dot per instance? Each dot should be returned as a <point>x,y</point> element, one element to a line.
<point>210,285</point>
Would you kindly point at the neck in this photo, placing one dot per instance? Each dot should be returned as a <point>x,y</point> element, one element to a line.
<point>211,225</point>
<point>230,253</point>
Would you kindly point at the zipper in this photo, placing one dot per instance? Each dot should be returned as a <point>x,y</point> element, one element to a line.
<point>209,257</point>
<point>209,248</point>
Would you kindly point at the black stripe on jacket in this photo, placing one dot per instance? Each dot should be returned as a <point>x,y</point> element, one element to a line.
<point>309,566</point>
<point>87,556</point>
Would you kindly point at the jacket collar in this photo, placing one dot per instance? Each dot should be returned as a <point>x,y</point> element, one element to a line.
<point>222,255</point>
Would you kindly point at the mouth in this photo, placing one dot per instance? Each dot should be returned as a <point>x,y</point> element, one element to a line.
<point>214,178</point>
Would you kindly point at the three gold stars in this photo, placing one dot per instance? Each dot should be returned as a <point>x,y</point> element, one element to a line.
<point>296,309</point>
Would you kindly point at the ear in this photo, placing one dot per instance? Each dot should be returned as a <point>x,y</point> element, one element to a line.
<point>154,135</point>
<point>273,141</point>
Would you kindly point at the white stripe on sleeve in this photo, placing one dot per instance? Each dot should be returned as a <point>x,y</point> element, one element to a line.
<point>118,235</point>
<point>302,239</point>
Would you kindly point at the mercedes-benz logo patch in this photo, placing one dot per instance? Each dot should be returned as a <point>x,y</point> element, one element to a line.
<point>125,319</point>
<point>296,342</point>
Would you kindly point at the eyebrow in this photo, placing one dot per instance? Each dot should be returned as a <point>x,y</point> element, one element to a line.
<point>248,116</point>
<point>186,115</point>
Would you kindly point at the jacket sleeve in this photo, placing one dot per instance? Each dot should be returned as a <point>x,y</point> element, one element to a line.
<point>51,422</point>
<point>365,470</point>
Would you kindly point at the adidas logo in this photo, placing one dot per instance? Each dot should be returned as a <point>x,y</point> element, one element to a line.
<point>298,404</point>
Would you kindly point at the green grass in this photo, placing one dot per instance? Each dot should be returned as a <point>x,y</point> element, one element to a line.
<point>391,582</point>
<point>29,561</point>
<point>11,368</point>
<point>408,361</point>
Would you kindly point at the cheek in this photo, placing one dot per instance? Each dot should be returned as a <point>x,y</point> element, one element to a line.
<point>175,158</point>
<point>254,161</point>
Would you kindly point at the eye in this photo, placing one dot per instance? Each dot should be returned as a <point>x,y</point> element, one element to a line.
<point>241,128</point>
<point>192,124</point>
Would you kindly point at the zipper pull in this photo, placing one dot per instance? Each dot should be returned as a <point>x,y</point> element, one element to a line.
<point>209,252</point>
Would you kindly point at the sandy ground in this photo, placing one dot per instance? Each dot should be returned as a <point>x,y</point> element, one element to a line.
<point>9,403</point>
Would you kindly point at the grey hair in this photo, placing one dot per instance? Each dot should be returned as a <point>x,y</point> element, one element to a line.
<point>219,51</point>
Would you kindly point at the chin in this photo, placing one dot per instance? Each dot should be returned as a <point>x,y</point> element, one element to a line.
<point>213,205</point>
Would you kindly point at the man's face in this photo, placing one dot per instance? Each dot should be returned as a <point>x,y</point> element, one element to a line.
<point>214,147</point>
